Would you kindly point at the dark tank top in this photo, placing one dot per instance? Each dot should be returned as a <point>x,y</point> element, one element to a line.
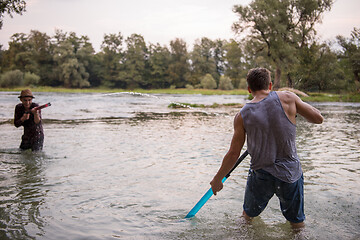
<point>271,139</point>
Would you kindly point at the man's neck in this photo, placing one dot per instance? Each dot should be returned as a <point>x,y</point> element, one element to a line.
<point>259,95</point>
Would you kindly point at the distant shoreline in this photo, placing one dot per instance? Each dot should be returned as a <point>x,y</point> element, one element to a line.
<point>313,97</point>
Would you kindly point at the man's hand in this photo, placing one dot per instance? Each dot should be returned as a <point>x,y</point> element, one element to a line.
<point>216,185</point>
<point>25,117</point>
<point>36,113</point>
<point>34,110</point>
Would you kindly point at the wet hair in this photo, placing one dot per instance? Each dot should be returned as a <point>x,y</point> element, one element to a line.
<point>258,79</point>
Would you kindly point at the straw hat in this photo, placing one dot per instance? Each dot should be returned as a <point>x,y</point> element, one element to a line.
<point>26,93</point>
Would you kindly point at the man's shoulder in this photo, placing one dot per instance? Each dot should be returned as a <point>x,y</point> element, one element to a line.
<point>285,93</point>
<point>286,96</point>
<point>244,109</point>
<point>18,106</point>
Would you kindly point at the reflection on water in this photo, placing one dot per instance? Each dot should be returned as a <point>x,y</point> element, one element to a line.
<point>21,194</point>
<point>331,161</point>
<point>126,166</point>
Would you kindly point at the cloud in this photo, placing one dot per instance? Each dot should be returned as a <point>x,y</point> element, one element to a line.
<point>158,21</point>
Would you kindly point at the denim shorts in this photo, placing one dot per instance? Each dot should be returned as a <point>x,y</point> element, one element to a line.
<point>260,188</point>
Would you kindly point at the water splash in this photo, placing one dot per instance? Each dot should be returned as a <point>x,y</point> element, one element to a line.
<point>170,102</point>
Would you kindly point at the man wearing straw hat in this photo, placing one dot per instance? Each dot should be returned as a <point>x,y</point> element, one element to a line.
<point>26,115</point>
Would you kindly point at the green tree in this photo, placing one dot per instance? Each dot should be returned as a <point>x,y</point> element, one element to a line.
<point>41,51</point>
<point>31,79</point>
<point>14,78</point>
<point>208,82</point>
<point>203,60</point>
<point>112,58</point>
<point>235,62</point>
<point>318,69</point>
<point>280,27</point>
<point>71,69</point>
<point>17,45</point>
<point>1,58</point>
<point>179,67</point>
<point>95,68</point>
<point>85,55</point>
<point>219,56</point>
<point>30,53</point>
<point>350,54</point>
<point>135,64</point>
<point>225,83</point>
<point>159,60</point>
<point>10,7</point>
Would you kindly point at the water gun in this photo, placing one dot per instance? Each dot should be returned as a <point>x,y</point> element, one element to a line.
<point>40,107</point>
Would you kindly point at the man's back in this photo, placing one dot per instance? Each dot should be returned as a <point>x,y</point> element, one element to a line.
<point>271,137</point>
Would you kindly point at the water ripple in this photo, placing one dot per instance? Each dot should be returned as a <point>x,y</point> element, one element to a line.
<point>125,166</point>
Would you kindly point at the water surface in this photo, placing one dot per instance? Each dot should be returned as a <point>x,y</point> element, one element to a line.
<point>125,166</point>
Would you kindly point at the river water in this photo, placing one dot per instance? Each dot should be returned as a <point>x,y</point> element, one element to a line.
<point>125,166</point>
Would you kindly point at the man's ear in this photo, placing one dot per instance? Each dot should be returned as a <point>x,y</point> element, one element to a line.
<point>249,89</point>
<point>270,85</point>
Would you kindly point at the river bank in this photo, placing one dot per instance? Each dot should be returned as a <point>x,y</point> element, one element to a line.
<point>313,97</point>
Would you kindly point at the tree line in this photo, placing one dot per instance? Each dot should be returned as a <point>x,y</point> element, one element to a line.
<point>280,36</point>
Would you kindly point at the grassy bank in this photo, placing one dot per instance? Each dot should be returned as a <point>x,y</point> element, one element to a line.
<point>313,97</point>
<point>151,91</point>
<point>328,97</point>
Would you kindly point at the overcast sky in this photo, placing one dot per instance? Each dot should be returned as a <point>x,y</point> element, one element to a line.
<point>158,21</point>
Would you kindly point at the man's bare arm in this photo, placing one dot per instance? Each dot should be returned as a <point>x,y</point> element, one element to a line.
<point>231,156</point>
<point>310,113</point>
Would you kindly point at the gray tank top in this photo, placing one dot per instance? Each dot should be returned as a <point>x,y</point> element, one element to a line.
<point>271,139</point>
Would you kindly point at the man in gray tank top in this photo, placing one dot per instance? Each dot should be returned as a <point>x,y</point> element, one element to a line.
<point>268,123</point>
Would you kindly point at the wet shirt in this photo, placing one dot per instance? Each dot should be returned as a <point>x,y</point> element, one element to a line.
<point>271,139</point>
<point>32,131</point>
